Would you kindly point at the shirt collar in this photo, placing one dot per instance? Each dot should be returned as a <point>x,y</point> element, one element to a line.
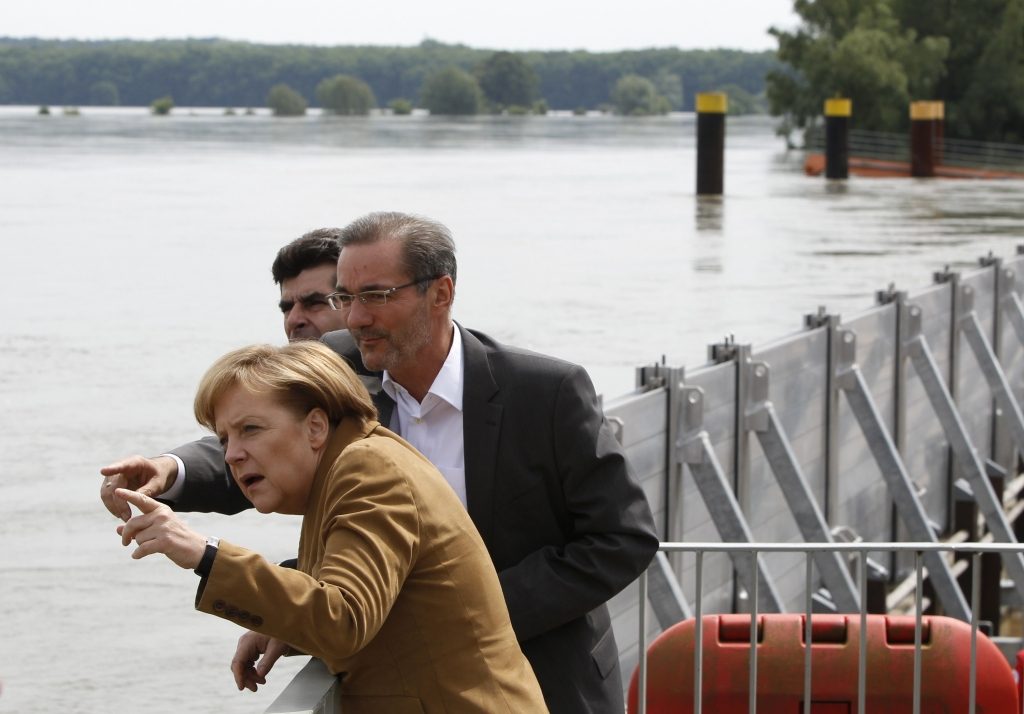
<point>448,382</point>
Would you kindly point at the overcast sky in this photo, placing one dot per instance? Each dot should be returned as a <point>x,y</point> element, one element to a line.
<point>516,24</point>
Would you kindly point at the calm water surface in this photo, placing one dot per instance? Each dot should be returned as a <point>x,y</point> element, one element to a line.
<point>137,249</point>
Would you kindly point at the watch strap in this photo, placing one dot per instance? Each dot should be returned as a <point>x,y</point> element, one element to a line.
<point>206,562</point>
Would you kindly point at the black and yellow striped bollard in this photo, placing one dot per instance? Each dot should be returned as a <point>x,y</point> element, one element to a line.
<point>837,138</point>
<point>926,120</point>
<point>711,110</point>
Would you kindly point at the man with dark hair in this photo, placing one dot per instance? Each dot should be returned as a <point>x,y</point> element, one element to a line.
<point>519,436</point>
<point>305,269</point>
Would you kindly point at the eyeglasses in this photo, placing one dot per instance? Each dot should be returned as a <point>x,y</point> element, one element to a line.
<point>371,298</point>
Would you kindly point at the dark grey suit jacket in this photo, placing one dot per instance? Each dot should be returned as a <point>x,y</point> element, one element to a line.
<point>552,495</point>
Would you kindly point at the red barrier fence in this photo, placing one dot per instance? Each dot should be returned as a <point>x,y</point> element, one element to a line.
<point>945,665</point>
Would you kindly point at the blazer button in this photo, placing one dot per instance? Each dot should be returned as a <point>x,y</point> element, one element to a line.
<point>218,605</point>
<point>244,616</point>
<point>257,620</point>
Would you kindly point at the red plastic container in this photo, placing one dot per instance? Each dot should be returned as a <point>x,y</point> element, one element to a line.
<point>1020,680</point>
<point>945,667</point>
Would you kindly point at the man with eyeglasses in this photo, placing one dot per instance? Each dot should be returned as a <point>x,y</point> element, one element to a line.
<point>306,270</point>
<point>519,436</point>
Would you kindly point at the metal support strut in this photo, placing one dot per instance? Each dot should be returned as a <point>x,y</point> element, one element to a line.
<point>901,489</point>
<point>916,347</point>
<point>763,420</point>
<point>696,452</point>
<point>664,593</point>
<point>990,368</point>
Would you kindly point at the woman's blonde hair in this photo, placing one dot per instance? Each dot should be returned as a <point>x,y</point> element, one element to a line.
<point>300,375</point>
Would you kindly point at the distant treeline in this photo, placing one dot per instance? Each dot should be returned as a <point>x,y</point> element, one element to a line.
<point>218,73</point>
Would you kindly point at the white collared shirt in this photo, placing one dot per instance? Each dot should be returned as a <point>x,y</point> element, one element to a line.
<point>434,426</point>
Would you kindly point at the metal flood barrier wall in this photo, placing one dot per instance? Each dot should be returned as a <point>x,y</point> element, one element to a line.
<point>900,423</point>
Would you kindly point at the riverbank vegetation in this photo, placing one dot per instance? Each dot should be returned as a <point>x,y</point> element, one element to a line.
<point>218,73</point>
<point>883,54</point>
<point>285,101</point>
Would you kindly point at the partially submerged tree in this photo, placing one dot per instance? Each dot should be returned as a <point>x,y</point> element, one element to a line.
<point>400,106</point>
<point>451,91</point>
<point>285,101</point>
<point>345,95</point>
<point>162,106</point>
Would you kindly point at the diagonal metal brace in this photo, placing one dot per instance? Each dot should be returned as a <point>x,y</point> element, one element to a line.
<point>1014,310</point>
<point>664,593</point>
<point>916,347</point>
<point>990,367</point>
<point>695,450</point>
<point>763,420</point>
<point>901,489</point>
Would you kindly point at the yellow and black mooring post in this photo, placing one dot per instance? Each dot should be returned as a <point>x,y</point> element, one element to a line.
<point>837,138</point>
<point>711,110</point>
<point>926,120</point>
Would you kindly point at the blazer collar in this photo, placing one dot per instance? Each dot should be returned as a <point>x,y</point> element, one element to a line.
<point>481,426</point>
<point>347,432</point>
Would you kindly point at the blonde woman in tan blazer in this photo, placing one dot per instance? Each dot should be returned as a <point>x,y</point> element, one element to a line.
<point>394,589</point>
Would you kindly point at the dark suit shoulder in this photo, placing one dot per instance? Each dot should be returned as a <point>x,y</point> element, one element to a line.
<point>342,342</point>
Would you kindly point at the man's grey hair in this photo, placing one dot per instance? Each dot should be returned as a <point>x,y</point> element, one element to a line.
<point>428,249</point>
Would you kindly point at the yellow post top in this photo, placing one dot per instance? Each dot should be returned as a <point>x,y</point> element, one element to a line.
<point>927,111</point>
<point>838,107</point>
<point>712,103</point>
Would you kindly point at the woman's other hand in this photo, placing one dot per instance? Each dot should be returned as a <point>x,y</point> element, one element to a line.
<point>149,476</point>
<point>157,529</point>
<point>248,674</point>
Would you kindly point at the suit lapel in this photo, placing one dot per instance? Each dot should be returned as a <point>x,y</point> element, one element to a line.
<point>481,425</point>
<point>384,405</point>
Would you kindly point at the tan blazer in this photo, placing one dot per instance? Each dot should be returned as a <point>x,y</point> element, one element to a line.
<point>395,589</point>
